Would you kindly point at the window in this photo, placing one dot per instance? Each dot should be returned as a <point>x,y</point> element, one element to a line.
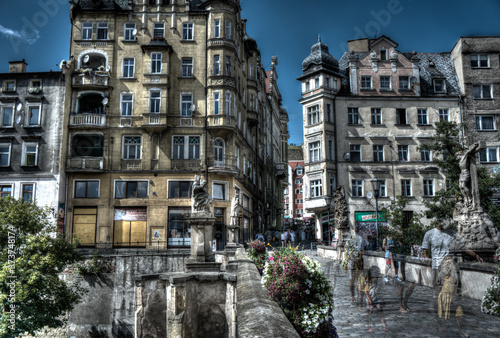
<point>366,82</point>
<point>383,54</point>
<point>299,171</point>
<point>422,116</point>
<point>299,211</point>
<point>444,115</point>
<point>299,201</point>
<point>102,31</point>
<point>128,68</point>
<point>228,29</point>
<point>357,188</point>
<point>216,65</point>
<point>378,153</point>
<point>316,188</point>
<point>482,91</point>
<point>425,155</point>
<point>228,103</point>
<point>385,82</point>
<point>131,189</point>
<point>128,32</point>
<point>132,147</point>
<point>219,191</point>
<point>29,154</point>
<point>405,187</point>
<point>155,63</point>
<point>5,154</point>
<point>158,30</point>
<point>180,152</point>
<point>245,202</point>
<point>316,83</point>
<point>334,84</point>
<point>216,28</point>
<point>313,115</point>
<point>353,115</point>
<point>428,188</point>
<point>479,61</point>
<point>404,82</point>
<point>27,192</point>
<point>237,156</point>
<point>332,185</point>
<point>314,151</point>
<point>186,102</point>
<point>382,192</point>
<point>355,152</point>
<point>154,101</point>
<point>489,154</point>
<point>403,153</point>
<point>298,191</point>
<point>376,116</point>
<point>327,81</point>
<point>219,154</point>
<point>5,191</point>
<point>330,150</point>
<point>401,116</point>
<point>86,189</point>
<point>187,67</point>
<point>127,104</point>
<point>88,145</point>
<point>34,116</point>
<point>298,181</point>
<point>228,66</point>
<point>252,102</point>
<point>216,103</point>
<point>187,31</point>
<point>439,85</point>
<point>308,86</point>
<point>6,117</point>
<point>485,122</point>
<point>86,30</point>
<point>329,113</point>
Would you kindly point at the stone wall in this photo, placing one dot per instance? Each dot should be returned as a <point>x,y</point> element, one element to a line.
<point>475,278</point>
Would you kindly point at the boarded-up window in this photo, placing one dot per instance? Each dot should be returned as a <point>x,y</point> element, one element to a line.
<point>130,227</point>
<point>84,225</point>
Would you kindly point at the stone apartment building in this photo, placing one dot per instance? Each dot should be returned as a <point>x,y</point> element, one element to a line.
<point>477,62</point>
<point>162,91</point>
<point>368,116</point>
<point>31,132</point>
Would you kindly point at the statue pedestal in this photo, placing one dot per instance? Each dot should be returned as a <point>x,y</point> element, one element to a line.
<point>477,232</point>
<point>233,242</point>
<point>201,237</point>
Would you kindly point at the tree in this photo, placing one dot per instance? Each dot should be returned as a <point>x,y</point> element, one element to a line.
<point>31,294</point>
<point>446,143</point>
<point>407,233</point>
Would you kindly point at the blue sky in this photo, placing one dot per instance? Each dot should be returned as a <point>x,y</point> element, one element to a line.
<point>38,31</point>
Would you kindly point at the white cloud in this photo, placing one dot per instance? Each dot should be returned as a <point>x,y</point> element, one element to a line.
<point>22,35</point>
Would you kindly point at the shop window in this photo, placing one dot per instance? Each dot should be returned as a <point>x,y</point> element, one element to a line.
<point>129,227</point>
<point>179,230</point>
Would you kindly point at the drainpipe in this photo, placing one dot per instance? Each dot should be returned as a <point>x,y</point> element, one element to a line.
<point>206,98</point>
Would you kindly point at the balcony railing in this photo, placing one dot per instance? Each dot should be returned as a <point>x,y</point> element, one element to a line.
<point>93,79</point>
<point>154,119</point>
<point>87,120</point>
<point>227,163</point>
<point>93,163</point>
<point>186,165</point>
<point>221,121</point>
<point>131,164</point>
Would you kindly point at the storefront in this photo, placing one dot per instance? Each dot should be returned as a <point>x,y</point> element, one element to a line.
<point>367,223</point>
<point>179,230</point>
<point>129,227</point>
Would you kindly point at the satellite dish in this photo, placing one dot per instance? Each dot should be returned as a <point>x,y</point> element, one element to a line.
<point>62,64</point>
<point>134,31</point>
<point>413,80</point>
<point>18,119</point>
<point>369,195</point>
<point>19,106</point>
<point>86,58</point>
<point>108,68</point>
<point>192,108</point>
<point>104,101</point>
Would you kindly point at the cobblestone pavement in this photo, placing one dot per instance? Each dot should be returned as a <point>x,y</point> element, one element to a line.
<point>351,320</point>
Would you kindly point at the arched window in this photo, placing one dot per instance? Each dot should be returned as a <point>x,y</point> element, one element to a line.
<point>219,152</point>
<point>93,59</point>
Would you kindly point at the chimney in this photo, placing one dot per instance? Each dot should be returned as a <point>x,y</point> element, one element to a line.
<point>17,66</point>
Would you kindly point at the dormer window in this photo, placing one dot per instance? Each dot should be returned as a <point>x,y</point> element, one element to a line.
<point>383,54</point>
<point>366,82</point>
<point>439,86</point>
<point>9,86</point>
<point>316,83</point>
<point>308,86</point>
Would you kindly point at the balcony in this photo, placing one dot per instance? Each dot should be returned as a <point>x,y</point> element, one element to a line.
<point>85,163</point>
<point>224,121</point>
<point>224,165</point>
<point>154,123</point>
<point>253,118</point>
<point>96,120</point>
<point>131,165</point>
<point>186,165</point>
<point>280,170</point>
<point>91,79</point>
<point>220,43</point>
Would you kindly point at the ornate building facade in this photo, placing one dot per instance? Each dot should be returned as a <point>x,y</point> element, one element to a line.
<point>161,91</point>
<point>369,116</point>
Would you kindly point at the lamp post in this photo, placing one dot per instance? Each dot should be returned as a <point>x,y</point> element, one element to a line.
<point>376,191</point>
<point>328,200</point>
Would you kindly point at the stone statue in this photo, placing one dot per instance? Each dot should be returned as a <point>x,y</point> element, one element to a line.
<point>468,179</point>
<point>340,207</point>
<point>201,200</point>
<point>235,209</point>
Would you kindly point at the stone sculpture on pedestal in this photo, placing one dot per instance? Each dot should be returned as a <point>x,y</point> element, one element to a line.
<point>341,220</point>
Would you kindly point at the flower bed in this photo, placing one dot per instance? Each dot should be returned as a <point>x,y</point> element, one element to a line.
<point>257,251</point>
<point>299,286</point>
<point>491,300</point>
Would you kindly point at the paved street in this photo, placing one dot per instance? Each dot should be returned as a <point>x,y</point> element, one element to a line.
<point>351,320</point>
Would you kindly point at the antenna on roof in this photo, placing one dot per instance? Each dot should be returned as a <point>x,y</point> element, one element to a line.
<point>319,38</point>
